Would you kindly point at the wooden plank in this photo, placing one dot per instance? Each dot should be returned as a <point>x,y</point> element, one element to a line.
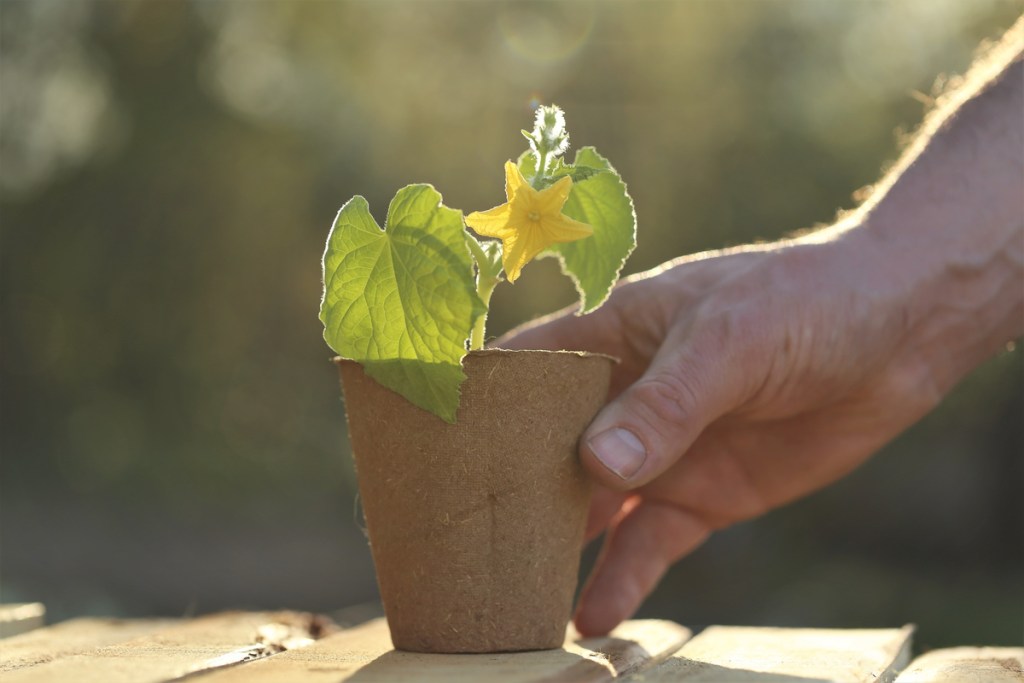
<point>364,655</point>
<point>967,665</point>
<point>740,654</point>
<point>183,649</point>
<point>71,638</point>
<point>20,617</point>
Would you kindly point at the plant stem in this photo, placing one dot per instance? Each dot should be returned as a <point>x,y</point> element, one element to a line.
<point>542,169</point>
<point>484,289</point>
<point>488,269</point>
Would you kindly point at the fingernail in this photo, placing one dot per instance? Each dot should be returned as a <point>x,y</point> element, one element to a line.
<point>619,450</point>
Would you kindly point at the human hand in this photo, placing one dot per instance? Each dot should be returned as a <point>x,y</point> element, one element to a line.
<point>748,379</point>
<point>754,376</point>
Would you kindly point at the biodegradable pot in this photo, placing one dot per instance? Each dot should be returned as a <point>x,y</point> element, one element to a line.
<point>476,527</point>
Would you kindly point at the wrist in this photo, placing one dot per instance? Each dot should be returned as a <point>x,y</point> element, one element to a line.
<point>958,295</point>
<point>944,232</point>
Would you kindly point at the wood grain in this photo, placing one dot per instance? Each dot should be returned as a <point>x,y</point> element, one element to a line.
<point>71,638</point>
<point>967,665</point>
<point>182,650</point>
<point>364,655</point>
<point>239,647</point>
<point>776,655</point>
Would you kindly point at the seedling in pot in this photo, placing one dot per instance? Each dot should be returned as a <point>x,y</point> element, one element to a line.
<point>407,302</point>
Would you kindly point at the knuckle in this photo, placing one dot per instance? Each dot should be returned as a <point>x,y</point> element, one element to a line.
<point>666,398</point>
<point>732,328</point>
<point>734,344</point>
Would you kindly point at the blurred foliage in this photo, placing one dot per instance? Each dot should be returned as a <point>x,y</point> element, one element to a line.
<point>172,432</point>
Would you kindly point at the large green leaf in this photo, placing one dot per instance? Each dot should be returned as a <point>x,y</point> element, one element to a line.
<point>402,301</point>
<point>601,201</point>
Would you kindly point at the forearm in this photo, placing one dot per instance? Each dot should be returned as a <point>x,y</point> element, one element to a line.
<point>945,228</point>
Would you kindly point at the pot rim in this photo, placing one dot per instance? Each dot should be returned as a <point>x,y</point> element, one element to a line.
<point>338,360</point>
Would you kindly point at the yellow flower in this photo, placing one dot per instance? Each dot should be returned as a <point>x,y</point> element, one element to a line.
<point>530,222</point>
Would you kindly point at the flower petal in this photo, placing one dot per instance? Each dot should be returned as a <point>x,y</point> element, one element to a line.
<point>552,199</point>
<point>561,228</point>
<point>522,248</point>
<point>529,222</point>
<point>491,223</point>
<point>514,181</point>
<point>512,255</point>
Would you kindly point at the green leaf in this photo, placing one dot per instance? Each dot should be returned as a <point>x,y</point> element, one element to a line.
<point>527,164</point>
<point>601,201</point>
<point>402,301</point>
<point>577,173</point>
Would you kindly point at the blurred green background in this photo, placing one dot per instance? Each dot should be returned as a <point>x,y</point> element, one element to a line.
<point>173,435</point>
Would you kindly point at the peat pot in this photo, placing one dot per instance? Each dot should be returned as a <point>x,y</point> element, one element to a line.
<point>476,527</point>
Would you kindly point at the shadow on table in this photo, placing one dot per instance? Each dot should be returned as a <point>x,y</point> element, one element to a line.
<point>545,666</point>
<point>682,669</point>
<point>549,666</point>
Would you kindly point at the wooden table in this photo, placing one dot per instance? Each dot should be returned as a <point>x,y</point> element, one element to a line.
<point>237,647</point>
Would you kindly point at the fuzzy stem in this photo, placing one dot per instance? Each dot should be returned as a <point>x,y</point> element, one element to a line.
<point>484,289</point>
<point>488,276</point>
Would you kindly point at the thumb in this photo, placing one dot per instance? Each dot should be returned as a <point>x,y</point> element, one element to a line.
<point>694,379</point>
